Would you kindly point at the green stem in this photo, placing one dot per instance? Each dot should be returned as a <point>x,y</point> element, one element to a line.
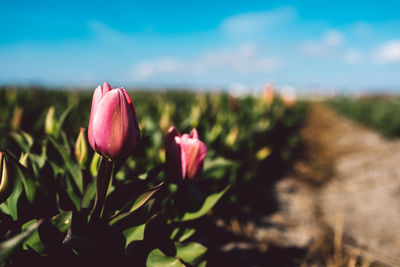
<point>104,176</point>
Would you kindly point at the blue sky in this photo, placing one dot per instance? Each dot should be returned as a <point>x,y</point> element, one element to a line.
<point>305,44</point>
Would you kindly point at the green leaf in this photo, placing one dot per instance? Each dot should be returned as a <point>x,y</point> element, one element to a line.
<point>218,168</point>
<point>33,241</point>
<point>71,165</point>
<point>126,220</point>
<point>134,233</point>
<point>136,203</point>
<point>64,116</point>
<point>10,206</point>
<point>158,259</point>
<point>191,253</point>
<point>39,160</point>
<point>89,195</point>
<point>23,139</point>
<point>217,163</point>
<point>72,194</point>
<point>207,206</point>
<point>62,221</point>
<point>27,181</point>
<point>182,234</point>
<point>8,246</point>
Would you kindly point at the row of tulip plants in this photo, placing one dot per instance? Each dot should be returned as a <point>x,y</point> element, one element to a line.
<point>131,189</point>
<point>376,112</point>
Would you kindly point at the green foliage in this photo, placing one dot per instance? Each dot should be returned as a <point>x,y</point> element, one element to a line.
<point>126,210</point>
<point>209,202</point>
<point>158,259</point>
<point>7,247</point>
<point>379,113</point>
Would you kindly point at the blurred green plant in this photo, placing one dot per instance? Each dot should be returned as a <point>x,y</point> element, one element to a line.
<point>376,112</point>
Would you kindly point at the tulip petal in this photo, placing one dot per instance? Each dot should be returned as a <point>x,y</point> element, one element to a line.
<point>193,152</point>
<point>194,134</point>
<point>97,96</point>
<point>106,88</point>
<point>198,152</point>
<point>131,107</point>
<point>172,132</point>
<point>173,160</point>
<point>113,125</point>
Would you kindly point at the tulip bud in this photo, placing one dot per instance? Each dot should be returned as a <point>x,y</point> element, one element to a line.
<point>94,164</point>
<point>81,149</point>
<point>16,118</point>
<point>232,137</point>
<point>184,155</point>
<point>288,97</point>
<point>268,94</point>
<point>24,159</point>
<point>113,126</point>
<point>51,125</point>
<point>5,183</point>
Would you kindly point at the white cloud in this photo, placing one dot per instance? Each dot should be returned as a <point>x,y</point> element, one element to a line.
<point>242,60</point>
<point>329,42</point>
<point>161,66</point>
<point>389,52</point>
<point>313,48</point>
<point>257,22</point>
<point>333,38</point>
<point>331,46</point>
<point>352,56</point>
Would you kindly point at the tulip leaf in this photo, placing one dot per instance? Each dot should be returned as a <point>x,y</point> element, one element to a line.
<point>20,173</point>
<point>206,207</point>
<point>134,233</point>
<point>72,166</point>
<point>219,168</point>
<point>62,221</point>
<point>10,206</point>
<point>33,241</point>
<point>8,246</point>
<point>64,116</point>
<point>72,194</point>
<point>182,234</point>
<point>158,259</point>
<point>191,253</point>
<point>136,203</point>
<point>89,195</point>
<point>23,139</point>
<point>127,220</point>
<point>40,160</point>
<point>217,163</point>
<point>27,180</point>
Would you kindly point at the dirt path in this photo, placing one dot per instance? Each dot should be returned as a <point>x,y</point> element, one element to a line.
<point>342,203</point>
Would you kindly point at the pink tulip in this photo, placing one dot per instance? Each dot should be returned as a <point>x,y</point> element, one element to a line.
<point>268,94</point>
<point>184,155</point>
<point>113,126</point>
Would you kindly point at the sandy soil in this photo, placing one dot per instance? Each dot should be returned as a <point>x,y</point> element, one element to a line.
<point>341,205</point>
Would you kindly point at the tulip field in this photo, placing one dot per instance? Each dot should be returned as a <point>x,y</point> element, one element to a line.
<point>376,112</point>
<point>128,177</point>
